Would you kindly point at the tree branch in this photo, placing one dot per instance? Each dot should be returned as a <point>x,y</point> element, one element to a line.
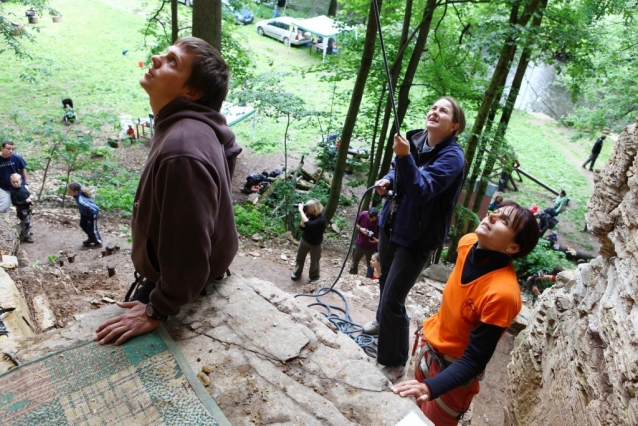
<point>436,38</point>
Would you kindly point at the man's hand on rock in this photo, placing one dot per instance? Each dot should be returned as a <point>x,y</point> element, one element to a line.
<point>130,324</point>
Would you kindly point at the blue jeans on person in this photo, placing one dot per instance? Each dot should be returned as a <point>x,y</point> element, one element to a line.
<point>400,268</point>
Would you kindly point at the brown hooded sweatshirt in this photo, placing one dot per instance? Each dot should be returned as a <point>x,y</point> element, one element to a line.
<point>183,226</point>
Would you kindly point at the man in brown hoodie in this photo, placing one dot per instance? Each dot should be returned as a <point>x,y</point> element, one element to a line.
<point>183,225</point>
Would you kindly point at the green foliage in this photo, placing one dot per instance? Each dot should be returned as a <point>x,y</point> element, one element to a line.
<point>465,215</point>
<point>17,115</point>
<point>542,257</point>
<point>118,193</point>
<point>343,223</point>
<point>251,220</point>
<point>599,51</point>
<point>327,154</point>
<point>101,151</point>
<point>265,146</point>
<point>13,42</point>
<point>52,258</point>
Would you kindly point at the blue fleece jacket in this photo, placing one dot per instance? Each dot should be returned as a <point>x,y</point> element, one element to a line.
<point>86,206</point>
<point>428,184</point>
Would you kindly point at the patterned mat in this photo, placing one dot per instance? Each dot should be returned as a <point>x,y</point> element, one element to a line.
<point>144,381</point>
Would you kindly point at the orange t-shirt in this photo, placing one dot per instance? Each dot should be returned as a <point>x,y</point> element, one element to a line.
<point>494,298</point>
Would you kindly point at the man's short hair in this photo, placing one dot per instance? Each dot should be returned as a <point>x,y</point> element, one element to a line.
<point>373,212</point>
<point>209,72</point>
<point>5,143</point>
<point>603,137</point>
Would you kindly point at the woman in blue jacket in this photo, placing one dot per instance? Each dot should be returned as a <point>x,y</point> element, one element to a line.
<point>426,180</point>
<point>88,214</point>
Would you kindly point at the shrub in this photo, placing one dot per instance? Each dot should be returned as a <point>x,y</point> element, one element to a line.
<point>250,220</point>
<point>542,257</point>
<point>118,195</point>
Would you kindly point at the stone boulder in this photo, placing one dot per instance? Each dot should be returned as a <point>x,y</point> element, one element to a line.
<point>576,362</point>
<point>273,360</point>
<point>437,272</point>
<point>9,241</point>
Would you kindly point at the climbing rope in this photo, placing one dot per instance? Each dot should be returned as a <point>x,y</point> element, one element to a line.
<point>340,315</point>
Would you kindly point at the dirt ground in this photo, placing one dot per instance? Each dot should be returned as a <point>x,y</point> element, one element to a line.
<point>73,289</point>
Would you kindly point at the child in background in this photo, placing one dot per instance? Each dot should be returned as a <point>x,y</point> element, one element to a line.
<point>131,133</point>
<point>21,198</point>
<point>495,204</point>
<point>88,214</point>
<point>69,115</point>
<point>374,270</point>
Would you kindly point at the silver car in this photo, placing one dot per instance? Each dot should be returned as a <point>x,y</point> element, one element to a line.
<point>282,29</point>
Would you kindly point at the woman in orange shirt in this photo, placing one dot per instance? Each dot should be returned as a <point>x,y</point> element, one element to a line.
<point>481,299</point>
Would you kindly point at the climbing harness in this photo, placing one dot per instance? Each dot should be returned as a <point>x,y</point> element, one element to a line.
<point>425,356</point>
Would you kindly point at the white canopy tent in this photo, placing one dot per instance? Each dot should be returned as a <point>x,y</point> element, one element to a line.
<point>235,114</point>
<point>322,26</point>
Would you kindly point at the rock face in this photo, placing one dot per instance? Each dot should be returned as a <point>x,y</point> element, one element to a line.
<point>577,361</point>
<point>9,241</point>
<point>271,359</point>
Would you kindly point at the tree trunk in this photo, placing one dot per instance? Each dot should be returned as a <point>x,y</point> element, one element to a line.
<point>507,51</point>
<point>499,138</point>
<point>394,77</point>
<point>373,155</point>
<point>174,22</point>
<point>403,100</point>
<point>502,68</point>
<point>485,139</point>
<point>207,22</point>
<point>351,117</point>
<point>485,134</point>
<point>332,8</point>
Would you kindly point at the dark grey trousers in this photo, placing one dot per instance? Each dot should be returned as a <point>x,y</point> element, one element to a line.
<point>357,254</point>
<point>315,257</point>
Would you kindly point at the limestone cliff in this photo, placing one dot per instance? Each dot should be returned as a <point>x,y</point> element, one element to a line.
<point>577,361</point>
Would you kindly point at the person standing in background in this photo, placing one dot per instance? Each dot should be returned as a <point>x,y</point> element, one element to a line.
<point>10,163</point>
<point>595,151</point>
<point>313,225</point>
<point>367,238</point>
